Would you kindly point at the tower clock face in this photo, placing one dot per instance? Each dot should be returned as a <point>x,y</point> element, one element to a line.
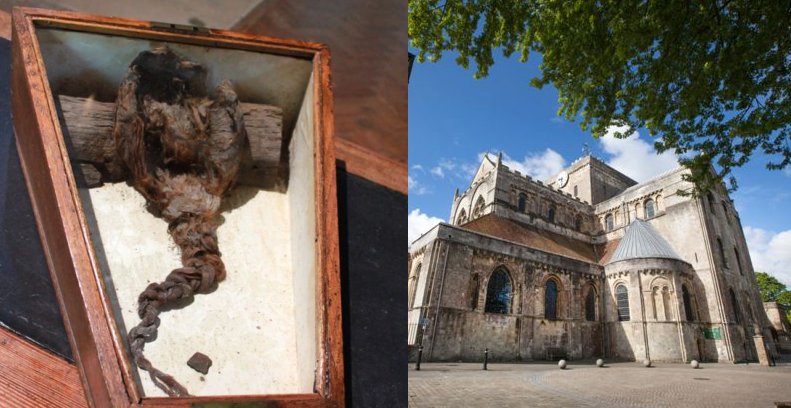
<point>562,180</point>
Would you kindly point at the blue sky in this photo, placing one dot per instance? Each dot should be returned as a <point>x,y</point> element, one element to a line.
<point>453,118</point>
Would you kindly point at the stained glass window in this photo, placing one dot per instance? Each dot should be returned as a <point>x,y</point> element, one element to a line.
<point>499,292</point>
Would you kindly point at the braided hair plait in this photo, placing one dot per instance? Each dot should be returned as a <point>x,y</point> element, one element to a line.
<point>183,150</point>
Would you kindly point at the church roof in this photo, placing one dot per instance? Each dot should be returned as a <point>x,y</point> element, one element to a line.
<point>642,241</point>
<point>529,236</point>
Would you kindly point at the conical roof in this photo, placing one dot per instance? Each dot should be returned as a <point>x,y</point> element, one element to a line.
<point>642,241</point>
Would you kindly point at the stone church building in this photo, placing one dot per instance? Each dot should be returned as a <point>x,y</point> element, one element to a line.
<point>586,264</point>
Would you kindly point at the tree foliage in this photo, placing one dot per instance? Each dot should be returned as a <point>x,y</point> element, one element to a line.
<point>771,288</point>
<point>709,80</point>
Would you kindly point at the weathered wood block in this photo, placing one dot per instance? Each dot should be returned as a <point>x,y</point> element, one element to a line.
<point>89,130</point>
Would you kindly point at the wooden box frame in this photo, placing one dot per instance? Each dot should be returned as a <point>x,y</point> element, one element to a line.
<point>105,370</point>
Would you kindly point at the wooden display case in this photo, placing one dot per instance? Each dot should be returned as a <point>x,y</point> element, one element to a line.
<point>57,53</point>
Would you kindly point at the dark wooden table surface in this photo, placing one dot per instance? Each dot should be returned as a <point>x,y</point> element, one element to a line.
<point>36,367</point>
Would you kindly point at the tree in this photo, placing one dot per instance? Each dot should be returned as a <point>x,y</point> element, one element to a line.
<point>772,290</point>
<point>709,80</point>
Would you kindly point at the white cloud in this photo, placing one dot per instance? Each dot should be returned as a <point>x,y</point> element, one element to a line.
<point>417,167</point>
<point>437,171</point>
<point>770,252</point>
<point>635,157</point>
<point>419,223</point>
<point>540,166</point>
<point>415,187</point>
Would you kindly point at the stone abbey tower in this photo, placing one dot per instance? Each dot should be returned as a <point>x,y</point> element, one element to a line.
<point>586,264</point>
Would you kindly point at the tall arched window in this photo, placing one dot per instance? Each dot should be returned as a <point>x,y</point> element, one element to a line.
<point>590,305</point>
<point>478,210</point>
<point>522,202</point>
<point>622,298</point>
<point>413,285</point>
<point>551,300</point>
<point>499,292</point>
<point>648,208</point>
<point>735,305</point>
<point>738,260</point>
<point>462,218</point>
<point>722,252</point>
<point>710,197</point>
<point>608,222</point>
<point>578,223</point>
<point>725,212</point>
<point>474,288</point>
<point>551,214</point>
<point>688,310</point>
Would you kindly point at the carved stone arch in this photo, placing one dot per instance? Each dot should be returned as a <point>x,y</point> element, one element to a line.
<point>661,289</point>
<point>649,208</point>
<point>521,202</point>
<point>689,299</point>
<point>478,207</point>
<point>462,217</point>
<point>590,301</point>
<point>499,291</point>
<point>475,196</point>
<point>620,291</point>
<point>609,222</point>
<point>553,297</point>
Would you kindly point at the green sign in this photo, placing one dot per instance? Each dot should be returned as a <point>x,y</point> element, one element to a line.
<point>712,333</point>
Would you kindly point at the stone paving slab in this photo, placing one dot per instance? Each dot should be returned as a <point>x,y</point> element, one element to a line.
<point>583,384</point>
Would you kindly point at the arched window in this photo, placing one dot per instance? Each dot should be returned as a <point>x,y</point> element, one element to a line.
<point>551,300</point>
<point>622,297</point>
<point>478,210</point>
<point>711,202</point>
<point>735,305</point>
<point>590,305</point>
<point>498,292</point>
<point>722,252</point>
<point>474,288</point>
<point>413,285</point>
<point>608,222</point>
<point>551,214</point>
<point>725,212</point>
<point>648,208</point>
<point>575,191</point>
<point>578,223</point>
<point>738,260</point>
<point>462,218</point>
<point>522,203</point>
<point>688,310</point>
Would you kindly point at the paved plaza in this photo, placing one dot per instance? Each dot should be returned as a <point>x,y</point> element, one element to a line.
<point>582,384</point>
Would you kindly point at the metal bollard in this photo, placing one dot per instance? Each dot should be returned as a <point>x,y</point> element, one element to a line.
<point>485,358</point>
<point>419,357</point>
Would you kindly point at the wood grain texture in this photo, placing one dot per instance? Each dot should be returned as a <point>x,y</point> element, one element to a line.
<point>94,336</point>
<point>5,25</point>
<point>369,63</point>
<point>63,238</point>
<point>365,163</point>
<point>90,131</point>
<point>32,377</point>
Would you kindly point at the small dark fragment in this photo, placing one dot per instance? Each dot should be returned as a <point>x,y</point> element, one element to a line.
<point>200,363</point>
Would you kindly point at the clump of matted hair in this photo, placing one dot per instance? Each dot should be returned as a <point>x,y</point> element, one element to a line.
<point>183,148</point>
